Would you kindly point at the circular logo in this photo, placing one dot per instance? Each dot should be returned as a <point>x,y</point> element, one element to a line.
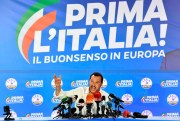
<point>172,99</point>
<point>146,83</point>
<point>53,83</point>
<point>104,85</point>
<point>37,99</point>
<point>147,112</point>
<point>11,83</point>
<point>127,98</point>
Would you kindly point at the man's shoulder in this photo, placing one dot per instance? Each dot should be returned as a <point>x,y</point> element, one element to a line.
<point>103,92</point>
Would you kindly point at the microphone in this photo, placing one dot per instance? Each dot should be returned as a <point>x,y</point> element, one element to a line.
<point>109,109</point>
<point>116,98</point>
<point>89,102</point>
<point>126,114</point>
<point>69,102</point>
<point>75,98</point>
<point>117,103</point>
<point>80,105</point>
<point>70,99</point>
<point>139,115</point>
<point>103,104</point>
<point>70,114</point>
<point>89,98</point>
<point>73,110</point>
<point>97,99</point>
<point>109,104</point>
<point>59,105</point>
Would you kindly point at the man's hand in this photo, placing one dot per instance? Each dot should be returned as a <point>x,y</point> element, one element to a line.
<point>57,81</point>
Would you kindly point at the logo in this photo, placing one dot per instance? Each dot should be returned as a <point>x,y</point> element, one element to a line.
<point>104,85</point>
<point>124,83</point>
<point>172,99</point>
<point>163,115</point>
<point>172,114</point>
<point>34,115</point>
<point>127,98</point>
<point>55,100</point>
<point>34,83</point>
<point>79,83</point>
<point>28,115</point>
<point>53,83</point>
<point>150,99</point>
<point>146,83</point>
<point>169,83</point>
<point>37,99</point>
<point>11,83</point>
<point>14,99</point>
<point>35,22</point>
<point>147,112</point>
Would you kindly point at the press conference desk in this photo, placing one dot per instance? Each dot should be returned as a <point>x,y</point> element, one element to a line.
<point>98,119</point>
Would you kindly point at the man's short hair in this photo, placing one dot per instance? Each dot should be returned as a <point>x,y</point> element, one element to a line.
<point>97,74</point>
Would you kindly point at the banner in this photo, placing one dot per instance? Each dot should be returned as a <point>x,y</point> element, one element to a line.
<point>134,44</point>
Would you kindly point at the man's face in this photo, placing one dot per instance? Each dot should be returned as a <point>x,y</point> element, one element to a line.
<point>95,84</point>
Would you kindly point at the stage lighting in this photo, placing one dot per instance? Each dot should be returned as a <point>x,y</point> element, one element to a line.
<point>7,113</point>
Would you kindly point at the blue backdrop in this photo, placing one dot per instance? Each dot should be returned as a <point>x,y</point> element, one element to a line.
<point>134,44</point>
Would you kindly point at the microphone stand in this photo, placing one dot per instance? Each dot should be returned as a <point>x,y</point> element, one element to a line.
<point>103,109</point>
<point>109,111</point>
<point>80,111</point>
<point>115,111</point>
<point>89,110</point>
<point>118,112</point>
<point>97,110</point>
<point>60,112</point>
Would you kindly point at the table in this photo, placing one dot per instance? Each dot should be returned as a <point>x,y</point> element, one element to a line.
<point>154,118</point>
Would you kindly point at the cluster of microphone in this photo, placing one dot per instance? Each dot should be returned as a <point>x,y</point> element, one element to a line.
<point>104,107</point>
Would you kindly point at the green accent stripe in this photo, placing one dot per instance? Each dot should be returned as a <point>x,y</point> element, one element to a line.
<point>33,9</point>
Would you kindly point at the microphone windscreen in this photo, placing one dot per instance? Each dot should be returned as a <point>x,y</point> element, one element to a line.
<point>75,97</point>
<point>112,95</point>
<point>139,115</point>
<point>64,99</point>
<point>126,114</point>
<point>103,97</point>
<point>136,114</point>
<point>80,103</point>
<point>81,100</point>
<point>89,98</point>
<point>97,96</point>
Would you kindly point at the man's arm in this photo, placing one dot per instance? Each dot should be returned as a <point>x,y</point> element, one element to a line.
<point>59,93</point>
<point>57,81</point>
